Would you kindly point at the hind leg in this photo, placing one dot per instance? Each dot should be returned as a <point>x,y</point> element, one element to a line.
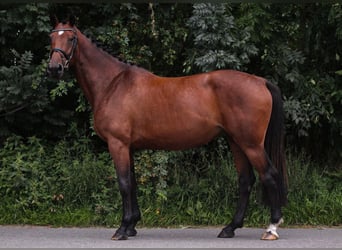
<point>246,181</point>
<point>269,178</point>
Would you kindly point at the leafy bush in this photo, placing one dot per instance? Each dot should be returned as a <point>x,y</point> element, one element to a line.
<point>19,100</point>
<point>72,183</point>
<point>315,194</point>
<point>36,175</point>
<point>21,176</point>
<point>25,99</point>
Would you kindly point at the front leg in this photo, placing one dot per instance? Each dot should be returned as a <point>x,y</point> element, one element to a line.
<point>136,211</point>
<point>127,186</point>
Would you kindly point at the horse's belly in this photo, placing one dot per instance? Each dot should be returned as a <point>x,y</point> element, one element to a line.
<point>178,138</point>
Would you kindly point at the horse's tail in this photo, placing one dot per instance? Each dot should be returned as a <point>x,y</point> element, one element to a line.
<point>274,143</point>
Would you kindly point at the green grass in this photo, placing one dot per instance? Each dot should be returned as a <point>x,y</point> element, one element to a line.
<point>68,184</point>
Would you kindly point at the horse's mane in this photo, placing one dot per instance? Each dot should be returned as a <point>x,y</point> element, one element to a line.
<point>109,50</point>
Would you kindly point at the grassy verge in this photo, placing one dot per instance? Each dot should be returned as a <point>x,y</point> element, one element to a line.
<point>68,184</point>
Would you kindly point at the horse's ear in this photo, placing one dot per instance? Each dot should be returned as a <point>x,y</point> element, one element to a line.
<point>53,20</point>
<point>72,20</point>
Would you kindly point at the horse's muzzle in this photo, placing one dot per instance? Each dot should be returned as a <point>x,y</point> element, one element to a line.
<point>55,70</point>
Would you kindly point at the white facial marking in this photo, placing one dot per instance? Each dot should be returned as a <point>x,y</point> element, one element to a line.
<point>60,32</point>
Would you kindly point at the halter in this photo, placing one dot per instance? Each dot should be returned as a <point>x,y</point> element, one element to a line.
<point>64,54</point>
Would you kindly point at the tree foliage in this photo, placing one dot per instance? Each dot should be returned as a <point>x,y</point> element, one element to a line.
<point>26,105</point>
<point>297,46</point>
<point>219,41</point>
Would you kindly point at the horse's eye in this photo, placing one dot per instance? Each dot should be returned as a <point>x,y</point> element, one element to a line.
<point>71,39</point>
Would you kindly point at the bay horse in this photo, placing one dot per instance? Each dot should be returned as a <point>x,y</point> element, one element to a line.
<point>135,109</point>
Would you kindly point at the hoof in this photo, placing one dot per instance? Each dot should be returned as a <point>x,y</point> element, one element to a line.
<point>226,234</point>
<point>269,236</point>
<point>119,236</point>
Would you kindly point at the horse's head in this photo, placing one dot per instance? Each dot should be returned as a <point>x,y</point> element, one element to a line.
<point>63,45</point>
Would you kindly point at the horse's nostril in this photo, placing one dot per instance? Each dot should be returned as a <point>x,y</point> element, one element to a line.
<point>49,69</point>
<point>60,67</point>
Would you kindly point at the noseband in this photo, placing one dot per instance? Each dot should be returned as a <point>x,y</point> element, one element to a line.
<point>62,52</point>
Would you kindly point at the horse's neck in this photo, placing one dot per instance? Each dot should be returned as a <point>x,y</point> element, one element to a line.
<point>95,70</point>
